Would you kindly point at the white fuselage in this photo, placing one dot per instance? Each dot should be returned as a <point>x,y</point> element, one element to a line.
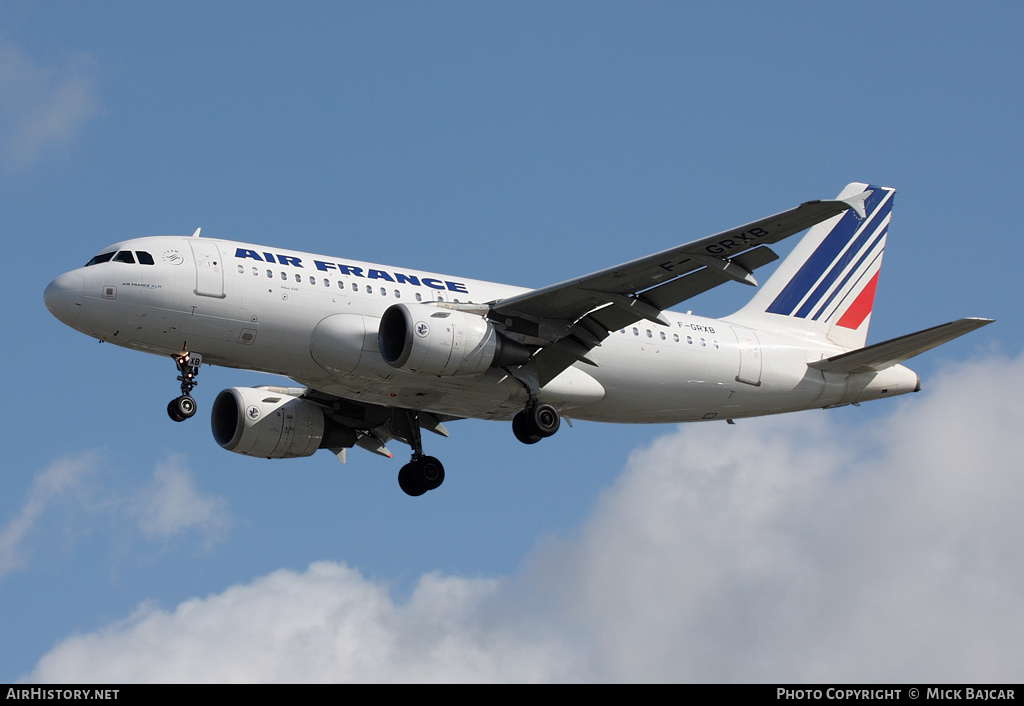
<point>267,309</point>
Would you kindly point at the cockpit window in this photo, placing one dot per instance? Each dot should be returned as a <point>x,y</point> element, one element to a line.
<point>144,257</point>
<point>105,257</point>
<point>125,256</point>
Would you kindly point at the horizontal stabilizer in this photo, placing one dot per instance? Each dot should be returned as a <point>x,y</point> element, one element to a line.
<point>888,353</point>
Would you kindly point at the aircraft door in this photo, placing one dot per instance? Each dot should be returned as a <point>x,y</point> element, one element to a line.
<point>750,356</point>
<point>209,268</point>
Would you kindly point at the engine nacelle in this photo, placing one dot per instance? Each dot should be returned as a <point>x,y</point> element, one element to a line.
<point>271,424</point>
<point>424,338</point>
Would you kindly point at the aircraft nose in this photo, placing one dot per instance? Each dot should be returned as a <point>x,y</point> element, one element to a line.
<point>63,297</point>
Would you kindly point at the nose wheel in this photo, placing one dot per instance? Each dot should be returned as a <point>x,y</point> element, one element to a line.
<point>181,408</point>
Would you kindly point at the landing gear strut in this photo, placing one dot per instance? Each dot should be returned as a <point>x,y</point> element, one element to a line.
<point>538,421</point>
<point>422,473</point>
<point>181,408</point>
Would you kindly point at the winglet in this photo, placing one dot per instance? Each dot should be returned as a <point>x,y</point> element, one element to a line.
<point>856,202</point>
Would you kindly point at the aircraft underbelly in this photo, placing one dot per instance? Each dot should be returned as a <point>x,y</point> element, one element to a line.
<point>723,379</point>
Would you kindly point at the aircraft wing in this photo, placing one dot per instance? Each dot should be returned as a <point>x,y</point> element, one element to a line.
<point>569,319</point>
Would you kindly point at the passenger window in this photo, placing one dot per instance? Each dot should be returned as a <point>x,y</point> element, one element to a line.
<point>241,270</point>
<point>663,335</point>
<point>255,272</point>
<point>270,274</point>
<point>312,279</point>
<point>125,256</point>
<point>398,295</point>
<point>341,285</point>
<point>636,331</point>
<point>419,297</point>
<point>144,257</point>
<point>284,276</point>
<point>105,257</point>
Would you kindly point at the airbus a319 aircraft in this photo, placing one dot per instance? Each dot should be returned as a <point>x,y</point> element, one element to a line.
<point>382,353</point>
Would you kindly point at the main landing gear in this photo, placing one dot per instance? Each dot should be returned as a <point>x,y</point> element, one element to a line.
<point>538,421</point>
<point>181,408</point>
<point>422,473</point>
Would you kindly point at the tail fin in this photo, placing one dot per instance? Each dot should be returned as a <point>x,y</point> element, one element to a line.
<point>826,287</point>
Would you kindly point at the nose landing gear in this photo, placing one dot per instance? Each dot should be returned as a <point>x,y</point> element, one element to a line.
<point>181,408</point>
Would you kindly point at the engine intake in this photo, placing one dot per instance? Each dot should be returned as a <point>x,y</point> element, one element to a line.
<point>423,338</point>
<point>271,424</point>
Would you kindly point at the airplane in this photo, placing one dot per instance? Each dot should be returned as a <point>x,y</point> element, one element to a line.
<point>382,353</point>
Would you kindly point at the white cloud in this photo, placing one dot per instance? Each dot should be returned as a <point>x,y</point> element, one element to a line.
<point>74,490</point>
<point>328,623</point>
<point>40,107</point>
<point>172,504</point>
<point>48,487</point>
<point>798,548</point>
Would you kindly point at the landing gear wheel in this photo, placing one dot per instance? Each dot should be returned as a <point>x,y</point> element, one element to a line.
<point>535,423</point>
<point>181,408</point>
<point>420,475</point>
<point>407,480</point>
<point>431,472</point>
<point>544,419</point>
<point>521,428</point>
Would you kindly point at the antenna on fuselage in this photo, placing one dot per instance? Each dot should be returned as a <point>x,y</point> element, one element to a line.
<point>196,234</point>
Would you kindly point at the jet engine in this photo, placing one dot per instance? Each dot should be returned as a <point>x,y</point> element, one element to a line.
<point>423,338</point>
<point>270,423</point>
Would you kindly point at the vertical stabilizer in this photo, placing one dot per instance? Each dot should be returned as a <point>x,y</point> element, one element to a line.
<point>826,287</point>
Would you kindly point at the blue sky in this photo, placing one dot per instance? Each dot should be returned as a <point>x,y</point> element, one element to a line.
<point>523,143</point>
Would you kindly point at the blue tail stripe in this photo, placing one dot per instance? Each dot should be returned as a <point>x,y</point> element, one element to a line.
<point>795,290</point>
<point>823,257</point>
<point>839,267</point>
<point>868,252</point>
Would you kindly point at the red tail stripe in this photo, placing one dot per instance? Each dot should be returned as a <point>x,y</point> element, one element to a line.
<point>861,306</point>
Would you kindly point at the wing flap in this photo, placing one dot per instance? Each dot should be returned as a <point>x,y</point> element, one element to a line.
<point>892,352</point>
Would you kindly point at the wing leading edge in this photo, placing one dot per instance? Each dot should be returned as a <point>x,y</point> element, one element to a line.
<point>567,320</point>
